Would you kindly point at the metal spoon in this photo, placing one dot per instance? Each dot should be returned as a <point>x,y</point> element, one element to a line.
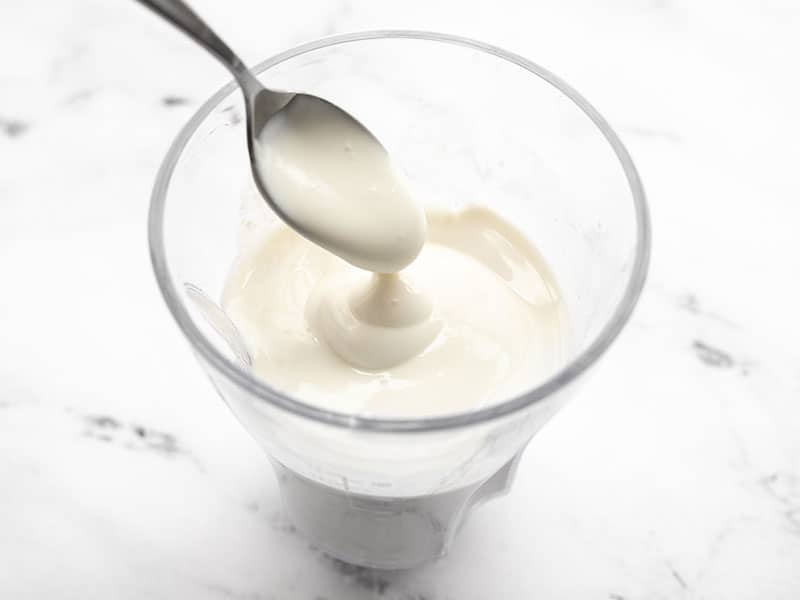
<point>261,104</point>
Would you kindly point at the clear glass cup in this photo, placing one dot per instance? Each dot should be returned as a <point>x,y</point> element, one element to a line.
<point>468,123</point>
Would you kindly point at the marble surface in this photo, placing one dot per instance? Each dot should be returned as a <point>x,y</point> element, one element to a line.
<point>675,474</point>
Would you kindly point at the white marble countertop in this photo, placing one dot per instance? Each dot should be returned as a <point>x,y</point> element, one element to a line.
<point>676,473</point>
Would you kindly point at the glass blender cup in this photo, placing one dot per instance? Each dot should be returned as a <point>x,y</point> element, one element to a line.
<point>468,124</point>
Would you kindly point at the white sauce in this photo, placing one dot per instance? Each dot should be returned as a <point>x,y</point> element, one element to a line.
<point>493,310</point>
<point>474,319</point>
<point>372,322</point>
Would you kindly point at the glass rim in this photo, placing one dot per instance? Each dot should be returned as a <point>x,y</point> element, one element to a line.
<point>263,391</point>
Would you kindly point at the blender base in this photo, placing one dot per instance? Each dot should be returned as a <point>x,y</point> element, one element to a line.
<point>383,532</point>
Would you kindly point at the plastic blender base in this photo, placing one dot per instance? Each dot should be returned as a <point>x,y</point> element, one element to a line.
<point>383,532</point>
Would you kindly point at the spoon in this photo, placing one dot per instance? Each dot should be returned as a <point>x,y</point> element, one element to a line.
<point>333,232</point>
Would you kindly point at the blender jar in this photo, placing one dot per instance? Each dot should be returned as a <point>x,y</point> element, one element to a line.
<point>468,124</point>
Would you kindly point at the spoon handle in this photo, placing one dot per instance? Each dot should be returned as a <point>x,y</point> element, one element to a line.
<point>184,18</point>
